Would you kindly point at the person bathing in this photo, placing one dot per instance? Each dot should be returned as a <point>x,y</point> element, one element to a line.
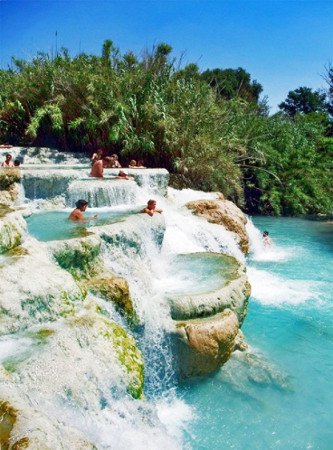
<point>77,214</point>
<point>97,156</point>
<point>97,169</point>
<point>8,162</point>
<point>266,239</point>
<point>151,209</point>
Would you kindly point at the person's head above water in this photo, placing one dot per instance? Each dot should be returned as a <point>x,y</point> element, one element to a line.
<point>151,204</point>
<point>265,233</point>
<point>81,205</point>
<point>8,157</point>
<point>17,163</point>
<point>122,174</point>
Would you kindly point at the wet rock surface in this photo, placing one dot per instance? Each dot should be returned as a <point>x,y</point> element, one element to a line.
<point>226,213</point>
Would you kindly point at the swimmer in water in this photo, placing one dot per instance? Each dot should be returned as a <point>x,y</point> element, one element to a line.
<point>150,209</point>
<point>77,214</point>
<point>266,239</point>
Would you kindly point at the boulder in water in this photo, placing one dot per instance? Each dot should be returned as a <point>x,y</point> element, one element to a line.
<point>203,345</point>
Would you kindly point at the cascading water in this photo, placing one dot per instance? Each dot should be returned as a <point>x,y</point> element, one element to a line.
<point>285,372</point>
<point>104,192</point>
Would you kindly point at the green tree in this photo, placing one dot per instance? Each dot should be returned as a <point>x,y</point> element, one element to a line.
<point>232,83</point>
<point>304,100</point>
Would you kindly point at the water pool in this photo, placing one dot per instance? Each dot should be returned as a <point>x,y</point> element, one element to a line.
<point>196,273</point>
<point>280,395</point>
<point>54,225</point>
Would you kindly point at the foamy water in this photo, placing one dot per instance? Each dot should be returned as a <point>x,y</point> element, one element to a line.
<point>270,289</point>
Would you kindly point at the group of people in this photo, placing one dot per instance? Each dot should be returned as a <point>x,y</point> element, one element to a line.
<point>81,205</point>
<point>8,162</point>
<point>101,162</point>
<point>98,163</point>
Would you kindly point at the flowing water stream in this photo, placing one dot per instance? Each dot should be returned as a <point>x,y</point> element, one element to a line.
<point>277,395</point>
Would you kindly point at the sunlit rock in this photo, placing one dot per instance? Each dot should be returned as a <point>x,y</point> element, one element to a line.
<point>226,213</point>
<point>207,324</point>
<point>98,361</point>
<point>203,345</point>
<point>12,228</point>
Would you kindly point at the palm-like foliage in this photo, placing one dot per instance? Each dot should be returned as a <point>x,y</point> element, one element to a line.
<point>147,108</point>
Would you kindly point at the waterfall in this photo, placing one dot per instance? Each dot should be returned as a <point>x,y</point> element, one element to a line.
<point>86,392</point>
<point>103,192</point>
<point>39,184</point>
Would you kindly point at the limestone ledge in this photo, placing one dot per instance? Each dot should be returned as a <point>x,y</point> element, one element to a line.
<point>34,288</point>
<point>130,234</point>
<point>79,256</point>
<point>24,428</point>
<point>207,326</point>
<point>233,294</point>
<point>12,228</point>
<point>226,213</point>
<point>113,289</point>
<point>78,342</point>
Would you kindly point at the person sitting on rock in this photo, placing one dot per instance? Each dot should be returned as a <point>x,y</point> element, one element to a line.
<point>109,162</point>
<point>116,162</point>
<point>97,156</point>
<point>150,209</point>
<point>132,164</point>
<point>77,214</point>
<point>266,239</point>
<point>8,161</point>
<point>140,164</point>
<point>97,169</point>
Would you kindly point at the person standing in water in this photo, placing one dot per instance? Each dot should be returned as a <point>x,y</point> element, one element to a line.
<point>77,214</point>
<point>150,209</point>
<point>266,239</point>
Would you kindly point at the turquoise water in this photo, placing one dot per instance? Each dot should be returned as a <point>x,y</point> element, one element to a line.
<point>54,225</point>
<point>196,273</point>
<point>280,394</point>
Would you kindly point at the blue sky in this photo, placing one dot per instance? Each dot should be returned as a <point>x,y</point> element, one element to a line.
<point>284,44</point>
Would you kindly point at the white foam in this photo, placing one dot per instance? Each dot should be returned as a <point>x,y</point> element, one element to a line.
<point>175,416</point>
<point>182,196</point>
<point>261,253</point>
<point>270,289</point>
<point>12,347</point>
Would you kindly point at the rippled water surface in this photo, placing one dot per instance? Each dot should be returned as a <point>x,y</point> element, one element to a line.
<point>280,394</point>
<point>54,225</point>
